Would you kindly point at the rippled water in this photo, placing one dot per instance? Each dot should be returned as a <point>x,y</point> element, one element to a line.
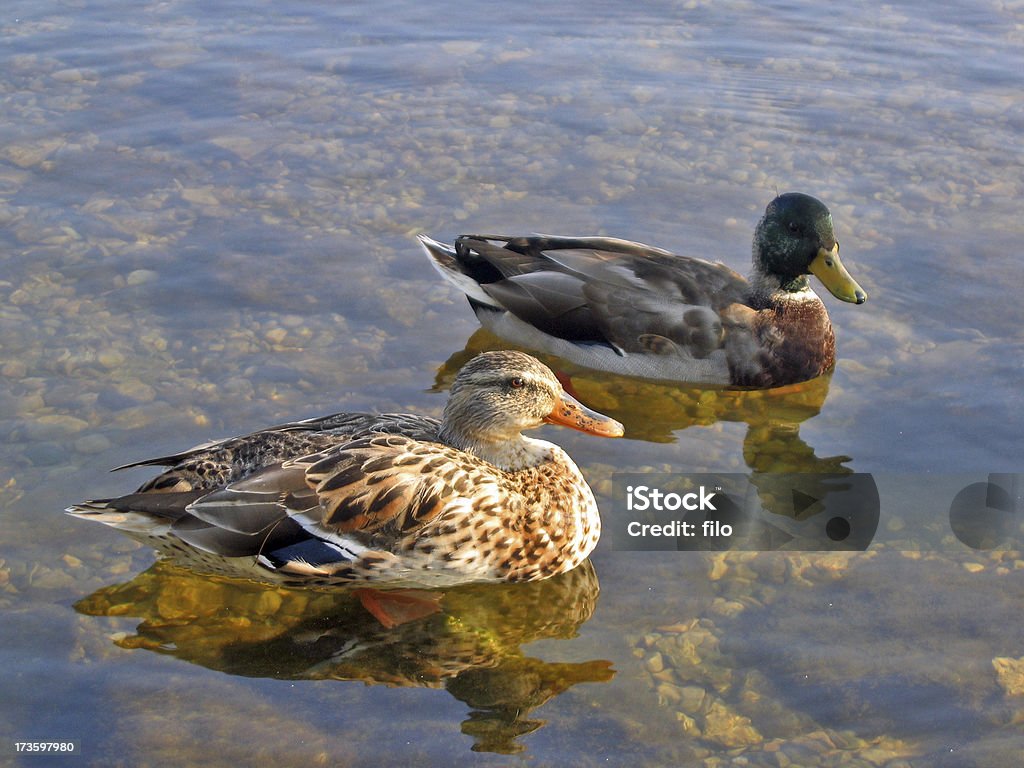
<point>207,219</point>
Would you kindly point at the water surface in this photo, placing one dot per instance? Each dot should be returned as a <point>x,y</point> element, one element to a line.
<point>207,219</point>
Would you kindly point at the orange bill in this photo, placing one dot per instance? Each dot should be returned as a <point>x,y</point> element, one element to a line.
<point>571,413</point>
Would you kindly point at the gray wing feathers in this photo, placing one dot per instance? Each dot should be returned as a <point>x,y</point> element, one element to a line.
<point>632,297</point>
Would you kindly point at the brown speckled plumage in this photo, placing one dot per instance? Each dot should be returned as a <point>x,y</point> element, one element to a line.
<point>392,498</point>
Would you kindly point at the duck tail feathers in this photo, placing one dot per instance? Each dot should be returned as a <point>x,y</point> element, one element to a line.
<point>168,506</point>
<point>445,260</point>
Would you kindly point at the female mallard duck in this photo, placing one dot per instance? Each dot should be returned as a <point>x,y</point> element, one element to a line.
<point>391,498</point>
<point>628,308</point>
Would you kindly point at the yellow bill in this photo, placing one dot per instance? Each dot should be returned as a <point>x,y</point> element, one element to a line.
<point>827,267</point>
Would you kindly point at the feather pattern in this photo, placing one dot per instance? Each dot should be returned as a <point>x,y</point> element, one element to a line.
<point>630,308</point>
<point>391,498</point>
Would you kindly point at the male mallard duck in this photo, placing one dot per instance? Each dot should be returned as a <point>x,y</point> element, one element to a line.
<point>357,497</point>
<point>629,308</point>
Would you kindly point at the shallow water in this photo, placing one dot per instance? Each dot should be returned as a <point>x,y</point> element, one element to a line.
<point>207,227</point>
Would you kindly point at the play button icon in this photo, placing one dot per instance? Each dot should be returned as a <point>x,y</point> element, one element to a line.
<point>818,512</point>
<point>802,502</point>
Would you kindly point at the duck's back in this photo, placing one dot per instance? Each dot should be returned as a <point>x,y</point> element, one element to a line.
<point>600,302</point>
<point>214,465</point>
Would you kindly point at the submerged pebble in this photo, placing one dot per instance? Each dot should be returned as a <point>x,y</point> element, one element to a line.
<point>1010,674</point>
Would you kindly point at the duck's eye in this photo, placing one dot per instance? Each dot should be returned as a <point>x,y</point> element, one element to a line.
<point>517,382</point>
<point>793,227</point>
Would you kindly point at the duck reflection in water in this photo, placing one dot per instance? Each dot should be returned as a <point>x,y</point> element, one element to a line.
<point>471,647</point>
